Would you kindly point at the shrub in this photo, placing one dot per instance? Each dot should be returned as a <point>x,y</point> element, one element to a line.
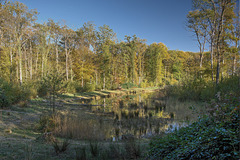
<point>133,149</point>
<point>60,147</point>
<point>47,123</point>
<point>198,89</point>
<point>4,101</point>
<point>211,137</point>
<point>128,85</point>
<point>11,93</point>
<point>114,152</point>
<point>81,153</point>
<point>94,148</point>
<point>144,84</point>
<point>89,87</point>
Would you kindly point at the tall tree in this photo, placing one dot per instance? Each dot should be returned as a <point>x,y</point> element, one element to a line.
<point>197,23</point>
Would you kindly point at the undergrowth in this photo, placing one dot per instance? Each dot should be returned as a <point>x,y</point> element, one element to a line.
<point>214,136</point>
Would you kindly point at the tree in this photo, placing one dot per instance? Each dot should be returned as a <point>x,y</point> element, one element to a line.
<point>16,21</point>
<point>55,34</point>
<point>154,56</point>
<point>105,41</point>
<point>197,23</point>
<point>219,15</point>
<point>54,82</point>
<point>68,42</point>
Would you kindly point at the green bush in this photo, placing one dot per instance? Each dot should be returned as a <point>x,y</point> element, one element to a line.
<point>4,102</point>
<point>42,89</point>
<point>81,153</point>
<point>11,93</point>
<point>89,87</point>
<point>144,84</point>
<point>211,137</point>
<point>72,87</point>
<point>198,89</point>
<point>47,123</point>
<point>128,85</point>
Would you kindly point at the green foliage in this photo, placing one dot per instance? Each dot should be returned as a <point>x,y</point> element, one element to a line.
<point>51,84</point>
<point>94,149</point>
<point>47,123</point>
<point>72,87</point>
<point>89,87</point>
<point>211,137</point>
<point>42,90</point>
<point>114,151</point>
<point>4,102</point>
<point>81,153</point>
<point>11,93</point>
<point>199,89</point>
<point>128,85</point>
<point>133,149</point>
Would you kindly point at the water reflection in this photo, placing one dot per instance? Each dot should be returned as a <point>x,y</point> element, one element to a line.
<point>122,117</point>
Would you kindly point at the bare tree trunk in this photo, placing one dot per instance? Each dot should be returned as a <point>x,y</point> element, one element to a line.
<point>31,61</point>
<point>103,81</point>
<point>234,65</point>
<point>42,63</point>
<point>36,64</point>
<point>20,64</point>
<point>57,56</point>
<point>96,78</point>
<point>25,64</point>
<point>212,59</point>
<point>66,52</point>
<point>71,71</point>
<point>11,64</point>
<point>218,65</point>
<point>82,75</point>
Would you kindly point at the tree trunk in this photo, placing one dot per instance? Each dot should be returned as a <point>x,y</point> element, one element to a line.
<point>31,61</point>
<point>103,81</point>
<point>66,52</point>
<point>218,66</point>
<point>42,63</point>
<point>82,75</point>
<point>57,56</point>
<point>71,71</point>
<point>25,64</point>
<point>20,64</point>
<point>11,64</point>
<point>212,59</point>
<point>96,78</point>
<point>36,65</point>
<point>234,65</point>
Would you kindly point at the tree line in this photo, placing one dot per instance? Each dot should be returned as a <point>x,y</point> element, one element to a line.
<point>216,23</point>
<point>91,55</point>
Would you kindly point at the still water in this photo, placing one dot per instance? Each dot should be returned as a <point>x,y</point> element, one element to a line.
<point>123,117</point>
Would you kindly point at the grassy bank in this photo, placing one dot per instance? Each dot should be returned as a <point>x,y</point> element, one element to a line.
<point>108,93</point>
<point>20,134</point>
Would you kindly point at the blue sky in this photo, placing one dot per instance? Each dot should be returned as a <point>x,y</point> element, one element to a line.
<point>154,20</point>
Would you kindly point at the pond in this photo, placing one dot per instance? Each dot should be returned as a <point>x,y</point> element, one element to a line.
<point>123,117</point>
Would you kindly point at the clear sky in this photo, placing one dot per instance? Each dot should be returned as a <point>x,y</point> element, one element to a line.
<point>154,20</point>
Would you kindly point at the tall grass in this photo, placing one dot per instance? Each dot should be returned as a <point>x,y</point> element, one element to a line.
<point>199,89</point>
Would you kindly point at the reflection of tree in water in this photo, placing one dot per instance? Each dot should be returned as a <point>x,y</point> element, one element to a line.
<point>140,115</point>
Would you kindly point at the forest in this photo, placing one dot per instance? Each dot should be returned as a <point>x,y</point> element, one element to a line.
<point>51,59</point>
